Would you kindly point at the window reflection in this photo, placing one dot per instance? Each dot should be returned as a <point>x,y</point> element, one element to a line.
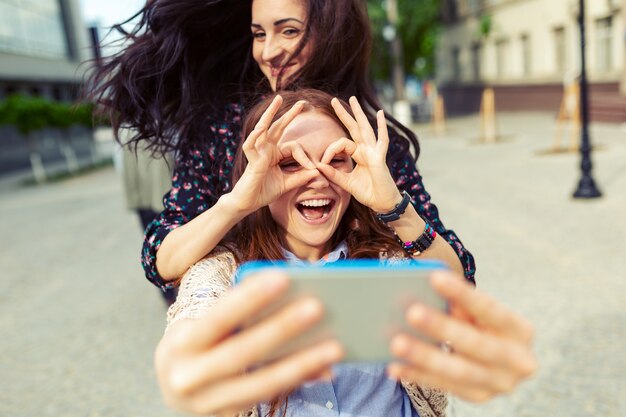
<point>32,27</point>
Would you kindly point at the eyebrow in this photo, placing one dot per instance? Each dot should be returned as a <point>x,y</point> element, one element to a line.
<point>279,22</point>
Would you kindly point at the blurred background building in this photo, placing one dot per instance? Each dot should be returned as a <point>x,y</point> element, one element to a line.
<point>43,48</point>
<point>42,43</point>
<point>528,50</point>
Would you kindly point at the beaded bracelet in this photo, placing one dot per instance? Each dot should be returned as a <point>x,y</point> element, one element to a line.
<point>419,245</point>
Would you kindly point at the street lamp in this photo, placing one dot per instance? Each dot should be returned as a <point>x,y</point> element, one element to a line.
<point>586,186</point>
<point>401,108</point>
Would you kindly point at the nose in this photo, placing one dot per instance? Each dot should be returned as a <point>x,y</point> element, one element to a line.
<point>318,182</point>
<point>272,50</point>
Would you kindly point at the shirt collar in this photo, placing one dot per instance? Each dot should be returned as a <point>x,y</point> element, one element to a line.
<point>339,253</point>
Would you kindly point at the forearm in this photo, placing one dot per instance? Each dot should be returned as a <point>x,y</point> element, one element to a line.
<point>189,243</point>
<point>410,226</point>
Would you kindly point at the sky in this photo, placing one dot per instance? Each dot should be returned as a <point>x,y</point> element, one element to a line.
<point>105,13</point>
<point>108,12</point>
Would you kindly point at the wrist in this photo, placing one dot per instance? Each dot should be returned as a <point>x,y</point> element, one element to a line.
<point>392,212</point>
<point>230,203</point>
<point>419,245</point>
<point>391,205</point>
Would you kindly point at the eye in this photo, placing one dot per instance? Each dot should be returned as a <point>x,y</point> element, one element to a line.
<point>258,35</point>
<point>289,165</point>
<point>291,32</point>
<point>338,160</point>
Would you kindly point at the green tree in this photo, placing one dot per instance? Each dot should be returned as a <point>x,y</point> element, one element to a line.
<point>418,28</point>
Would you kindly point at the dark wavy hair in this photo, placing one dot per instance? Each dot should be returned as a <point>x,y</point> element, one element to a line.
<point>186,60</point>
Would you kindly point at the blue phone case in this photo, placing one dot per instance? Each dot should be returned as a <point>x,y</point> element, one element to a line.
<point>252,267</point>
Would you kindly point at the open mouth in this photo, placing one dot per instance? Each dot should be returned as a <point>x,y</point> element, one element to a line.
<point>315,210</point>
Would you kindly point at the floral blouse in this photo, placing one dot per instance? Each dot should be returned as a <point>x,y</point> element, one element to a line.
<point>202,175</point>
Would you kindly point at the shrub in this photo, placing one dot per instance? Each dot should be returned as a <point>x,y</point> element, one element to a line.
<point>29,114</point>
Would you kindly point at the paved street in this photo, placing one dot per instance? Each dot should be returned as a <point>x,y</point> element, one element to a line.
<point>79,323</point>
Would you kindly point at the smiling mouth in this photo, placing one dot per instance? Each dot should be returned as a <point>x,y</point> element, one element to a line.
<point>315,210</point>
<point>276,71</point>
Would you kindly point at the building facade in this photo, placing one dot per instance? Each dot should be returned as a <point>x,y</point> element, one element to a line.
<point>42,46</point>
<point>528,50</point>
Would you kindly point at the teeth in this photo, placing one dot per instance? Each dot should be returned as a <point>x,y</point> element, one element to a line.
<point>316,203</point>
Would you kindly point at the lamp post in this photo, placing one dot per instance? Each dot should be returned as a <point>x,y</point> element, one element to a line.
<point>401,108</point>
<point>586,186</point>
<point>391,35</point>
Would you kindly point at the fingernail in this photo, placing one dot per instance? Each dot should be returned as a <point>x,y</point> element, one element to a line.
<point>417,313</point>
<point>326,376</point>
<point>394,371</point>
<point>333,351</point>
<point>273,281</point>
<point>400,345</point>
<point>440,276</point>
<point>441,279</point>
<point>310,309</point>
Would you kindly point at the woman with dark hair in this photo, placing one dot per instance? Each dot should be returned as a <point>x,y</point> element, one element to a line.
<point>206,366</point>
<point>190,70</point>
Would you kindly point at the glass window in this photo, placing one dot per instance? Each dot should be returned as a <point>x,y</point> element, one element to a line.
<point>475,5</point>
<point>476,60</point>
<point>456,63</point>
<point>604,44</point>
<point>526,54</point>
<point>502,47</point>
<point>560,53</point>
<point>32,27</point>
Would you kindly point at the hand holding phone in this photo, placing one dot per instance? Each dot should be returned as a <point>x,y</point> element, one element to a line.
<point>491,345</point>
<point>365,302</point>
<point>200,363</point>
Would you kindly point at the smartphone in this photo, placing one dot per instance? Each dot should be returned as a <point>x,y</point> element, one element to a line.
<point>365,302</point>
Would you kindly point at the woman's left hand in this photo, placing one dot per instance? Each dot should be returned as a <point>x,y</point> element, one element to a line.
<point>370,182</point>
<point>491,346</point>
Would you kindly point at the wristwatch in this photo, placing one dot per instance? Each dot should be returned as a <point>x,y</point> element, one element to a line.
<point>397,211</point>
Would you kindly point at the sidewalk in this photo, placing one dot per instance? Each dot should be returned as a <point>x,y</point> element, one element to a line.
<point>104,151</point>
<point>561,262</point>
<point>80,323</point>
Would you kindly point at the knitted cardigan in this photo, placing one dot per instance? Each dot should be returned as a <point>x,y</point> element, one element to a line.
<point>210,278</point>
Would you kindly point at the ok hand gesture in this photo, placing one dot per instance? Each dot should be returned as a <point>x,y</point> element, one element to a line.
<point>370,182</point>
<point>263,181</point>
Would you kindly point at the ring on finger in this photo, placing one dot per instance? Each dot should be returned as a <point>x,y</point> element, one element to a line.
<point>446,347</point>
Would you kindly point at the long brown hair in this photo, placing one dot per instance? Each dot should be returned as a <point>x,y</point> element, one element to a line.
<point>185,61</point>
<point>258,236</point>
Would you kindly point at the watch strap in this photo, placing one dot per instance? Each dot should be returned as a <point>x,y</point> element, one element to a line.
<point>397,211</point>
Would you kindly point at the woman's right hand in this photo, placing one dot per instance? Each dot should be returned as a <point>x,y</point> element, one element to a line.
<point>203,365</point>
<point>489,346</point>
<point>263,180</point>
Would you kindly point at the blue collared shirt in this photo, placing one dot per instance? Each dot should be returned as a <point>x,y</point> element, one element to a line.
<point>356,390</point>
<point>339,253</point>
